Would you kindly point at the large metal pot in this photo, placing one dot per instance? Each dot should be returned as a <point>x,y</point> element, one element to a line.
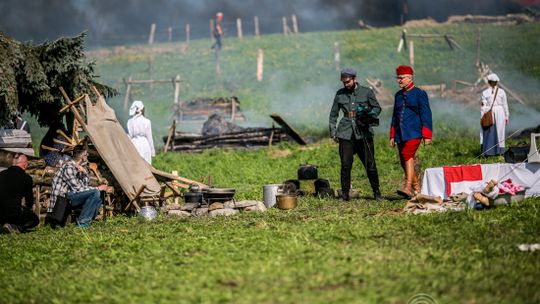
<point>269,194</point>
<point>286,201</point>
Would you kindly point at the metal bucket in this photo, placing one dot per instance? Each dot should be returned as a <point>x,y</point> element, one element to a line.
<point>269,194</point>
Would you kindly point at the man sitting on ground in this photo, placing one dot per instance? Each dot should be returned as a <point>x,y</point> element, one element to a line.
<point>16,185</point>
<point>71,182</point>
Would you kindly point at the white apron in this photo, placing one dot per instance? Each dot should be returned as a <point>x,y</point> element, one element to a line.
<point>140,133</point>
<point>500,112</point>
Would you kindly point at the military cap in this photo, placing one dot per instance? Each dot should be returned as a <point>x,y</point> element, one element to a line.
<point>348,71</point>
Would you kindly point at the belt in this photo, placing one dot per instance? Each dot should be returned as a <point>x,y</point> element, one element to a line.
<point>351,114</point>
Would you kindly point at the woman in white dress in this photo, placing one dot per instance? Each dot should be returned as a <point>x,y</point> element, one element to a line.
<point>492,138</point>
<point>140,131</point>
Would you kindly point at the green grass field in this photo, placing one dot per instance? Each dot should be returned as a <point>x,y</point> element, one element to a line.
<point>325,251</point>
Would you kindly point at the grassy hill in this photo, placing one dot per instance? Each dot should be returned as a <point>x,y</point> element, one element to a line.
<point>300,78</point>
<point>325,251</point>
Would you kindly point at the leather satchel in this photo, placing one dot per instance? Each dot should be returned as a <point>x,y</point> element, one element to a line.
<point>60,212</point>
<point>487,119</point>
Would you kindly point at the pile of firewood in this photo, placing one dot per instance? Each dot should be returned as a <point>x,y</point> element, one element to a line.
<point>250,137</point>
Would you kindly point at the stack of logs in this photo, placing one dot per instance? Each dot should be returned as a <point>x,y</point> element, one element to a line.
<point>249,137</point>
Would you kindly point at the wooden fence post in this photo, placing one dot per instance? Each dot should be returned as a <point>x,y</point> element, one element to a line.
<point>477,47</point>
<point>260,65</point>
<point>152,33</point>
<point>239,27</point>
<point>337,56</point>
<point>256,22</point>
<point>170,33</point>
<point>294,24</point>
<point>176,89</point>
<point>411,53</point>
<point>211,28</point>
<point>128,91</point>
<point>188,30</point>
<point>285,26</point>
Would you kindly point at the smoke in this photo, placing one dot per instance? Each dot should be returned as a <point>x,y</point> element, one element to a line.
<point>127,21</point>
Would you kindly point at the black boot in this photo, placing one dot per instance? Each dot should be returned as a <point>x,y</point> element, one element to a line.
<point>377,195</point>
<point>345,195</point>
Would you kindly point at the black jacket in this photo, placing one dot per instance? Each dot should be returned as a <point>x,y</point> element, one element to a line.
<point>14,185</point>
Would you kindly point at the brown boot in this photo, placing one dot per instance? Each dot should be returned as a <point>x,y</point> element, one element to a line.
<point>406,192</point>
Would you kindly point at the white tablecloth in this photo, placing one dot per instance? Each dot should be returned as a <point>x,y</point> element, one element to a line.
<point>524,174</point>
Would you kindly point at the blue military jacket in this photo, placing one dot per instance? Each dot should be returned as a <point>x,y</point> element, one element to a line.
<point>351,101</point>
<point>411,118</point>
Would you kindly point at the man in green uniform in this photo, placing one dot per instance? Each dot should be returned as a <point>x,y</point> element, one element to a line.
<point>354,133</point>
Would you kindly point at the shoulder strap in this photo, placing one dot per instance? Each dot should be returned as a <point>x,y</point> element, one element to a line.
<point>494,97</point>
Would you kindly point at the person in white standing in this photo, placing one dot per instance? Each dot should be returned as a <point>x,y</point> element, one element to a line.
<point>492,138</point>
<point>140,131</point>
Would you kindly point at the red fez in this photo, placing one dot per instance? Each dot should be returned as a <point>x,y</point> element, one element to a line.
<point>404,70</point>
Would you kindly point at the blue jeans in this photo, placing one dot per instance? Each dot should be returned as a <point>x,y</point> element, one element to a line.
<point>89,200</point>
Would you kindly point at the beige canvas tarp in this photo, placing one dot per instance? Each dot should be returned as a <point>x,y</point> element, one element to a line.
<point>114,146</point>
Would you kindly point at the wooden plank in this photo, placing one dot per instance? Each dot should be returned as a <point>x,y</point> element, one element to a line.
<point>161,175</point>
<point>288,129</point>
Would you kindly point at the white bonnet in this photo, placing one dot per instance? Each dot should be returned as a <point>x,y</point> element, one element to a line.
<point>493,77</point>
<point>136,107</point>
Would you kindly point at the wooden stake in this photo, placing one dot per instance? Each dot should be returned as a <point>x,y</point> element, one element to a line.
<point>176,89</point>
<point>233,109</point>
<point>211,28</point>
<point>133,200</point>
<point>169,30</point>
<point>239,27</point>
<point>411,53</point>
<point>477,47</point>
<point>260,59</point>
<point>256,22</point>
<point>188,30</point>
<point>128,91</point>
<point>152,33</point>
<point>337,56</point>
<point>172,131</point>
<point>285,26</point>
<point>294,24</point>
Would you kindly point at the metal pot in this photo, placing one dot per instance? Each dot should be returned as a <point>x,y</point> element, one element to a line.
<point>269,194</point>
<point>193,197</point>
<point>307,171</point>
<point>286,201</point>
<point>212,195</point>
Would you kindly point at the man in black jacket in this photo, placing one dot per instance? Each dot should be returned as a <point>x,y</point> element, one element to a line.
<point>16,185</point>
<point>354,132</point>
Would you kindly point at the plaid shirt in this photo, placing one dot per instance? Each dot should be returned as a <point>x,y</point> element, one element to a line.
<point>68,179</point>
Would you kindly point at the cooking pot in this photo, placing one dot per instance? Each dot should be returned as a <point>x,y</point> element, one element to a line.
<point>286,201</point>
<point>307,171</point>
<point>193,197</point>
<point>269,194</point>
<point>212,195</point>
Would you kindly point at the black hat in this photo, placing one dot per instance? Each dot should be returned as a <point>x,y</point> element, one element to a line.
<point>350,72</point>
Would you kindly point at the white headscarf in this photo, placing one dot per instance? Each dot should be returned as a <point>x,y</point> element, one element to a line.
<point>136,107</point>
<point>493,77</point>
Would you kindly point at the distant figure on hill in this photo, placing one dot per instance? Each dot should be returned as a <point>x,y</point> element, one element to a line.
<point>140,131</point>
<point>217,32</point>
<point>494,99</point>
<point>354,133</point>
<point>16,185</point>
<point>411,123</point>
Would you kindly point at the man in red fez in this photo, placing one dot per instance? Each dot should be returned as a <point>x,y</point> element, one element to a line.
<point>411,123</point>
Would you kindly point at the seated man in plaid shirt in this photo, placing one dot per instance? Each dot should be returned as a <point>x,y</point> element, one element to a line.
<point>71,181</point>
